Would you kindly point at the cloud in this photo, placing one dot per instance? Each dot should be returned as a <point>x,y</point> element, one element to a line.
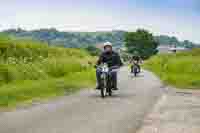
<point>94,15</point>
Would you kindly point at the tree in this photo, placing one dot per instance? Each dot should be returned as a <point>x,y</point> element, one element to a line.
<point>80,39</point>
<point>141,42</point>
<point>174,42</point>
<point>93,50</point>
<point>188,44</point>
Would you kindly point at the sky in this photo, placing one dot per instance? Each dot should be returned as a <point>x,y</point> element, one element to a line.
<point>180,18</point>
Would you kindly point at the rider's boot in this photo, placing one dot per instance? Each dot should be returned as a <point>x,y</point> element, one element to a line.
<point>115,88</point>
<point>139,68</point>
<point>98,76</point>
<point>132,68</point>
<point>114,80</point>
<point>98,87</point>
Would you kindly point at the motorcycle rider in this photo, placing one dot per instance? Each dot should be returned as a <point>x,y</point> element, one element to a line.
<point>112,59</point>
<point>136,60</point>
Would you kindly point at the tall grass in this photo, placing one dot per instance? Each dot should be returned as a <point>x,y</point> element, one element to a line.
<point>32,70</point>
<point>181,70</point>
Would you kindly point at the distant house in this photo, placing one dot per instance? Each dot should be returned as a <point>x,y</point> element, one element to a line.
<point>170,49</point>
<point>163,49</point>
<point>175,49</point>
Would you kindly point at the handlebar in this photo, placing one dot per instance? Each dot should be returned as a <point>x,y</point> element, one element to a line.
<point>114,67</point>
<point>110,68</point>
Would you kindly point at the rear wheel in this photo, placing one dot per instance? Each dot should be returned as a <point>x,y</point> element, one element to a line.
<point>135,71</point>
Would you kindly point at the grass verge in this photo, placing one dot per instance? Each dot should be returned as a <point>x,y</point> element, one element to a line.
<point>181,70</point>
<point>31,71</point>
<point>28,91</point>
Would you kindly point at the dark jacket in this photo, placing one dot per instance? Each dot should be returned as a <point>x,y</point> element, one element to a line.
<point>136,58</point>
<point>112,59</point>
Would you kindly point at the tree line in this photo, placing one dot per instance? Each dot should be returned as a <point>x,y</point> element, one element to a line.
<point>85,39</point>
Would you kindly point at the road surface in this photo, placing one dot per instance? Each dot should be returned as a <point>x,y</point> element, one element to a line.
<point>87,112</point>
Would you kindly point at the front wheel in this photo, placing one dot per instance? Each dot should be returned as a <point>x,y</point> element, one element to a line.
<point>135,74</point>
<point>103,86</point>
<point>103,92</point>
<point>136,71</point>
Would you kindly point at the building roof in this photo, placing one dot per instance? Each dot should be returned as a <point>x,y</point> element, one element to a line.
<point>178,48</point>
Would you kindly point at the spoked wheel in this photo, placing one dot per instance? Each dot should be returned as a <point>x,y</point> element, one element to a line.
<point>104,86</point>
<point>135,74</point>
<point>103,92</point>
<point>135,71</point>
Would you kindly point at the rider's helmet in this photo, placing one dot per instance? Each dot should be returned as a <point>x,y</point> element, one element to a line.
<point>107,44</point>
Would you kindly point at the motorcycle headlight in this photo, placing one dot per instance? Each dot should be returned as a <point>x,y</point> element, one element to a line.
<point>106,70</point>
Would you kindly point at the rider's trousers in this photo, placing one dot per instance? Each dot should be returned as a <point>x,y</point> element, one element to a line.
<point>113,76</point>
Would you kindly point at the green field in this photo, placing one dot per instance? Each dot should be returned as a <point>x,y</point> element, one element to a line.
<point>181,70</point>
<point>31,71</point>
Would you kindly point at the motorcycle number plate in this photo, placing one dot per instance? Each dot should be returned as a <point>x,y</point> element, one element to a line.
<point>105,70</point>
<point>102,76</point>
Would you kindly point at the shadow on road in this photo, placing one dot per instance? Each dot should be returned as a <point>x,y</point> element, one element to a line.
<point>116,95</point>
<point>138,76</point>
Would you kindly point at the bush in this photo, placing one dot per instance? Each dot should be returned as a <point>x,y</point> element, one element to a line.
<point>93,50</point>
<point>30,70</point>
<point>181,69</point>
<point>29,91</point>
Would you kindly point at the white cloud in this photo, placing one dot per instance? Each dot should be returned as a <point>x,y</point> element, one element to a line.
<point>83,19</point>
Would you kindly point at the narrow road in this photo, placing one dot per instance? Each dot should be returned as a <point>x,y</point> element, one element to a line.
<point>87,112</point>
